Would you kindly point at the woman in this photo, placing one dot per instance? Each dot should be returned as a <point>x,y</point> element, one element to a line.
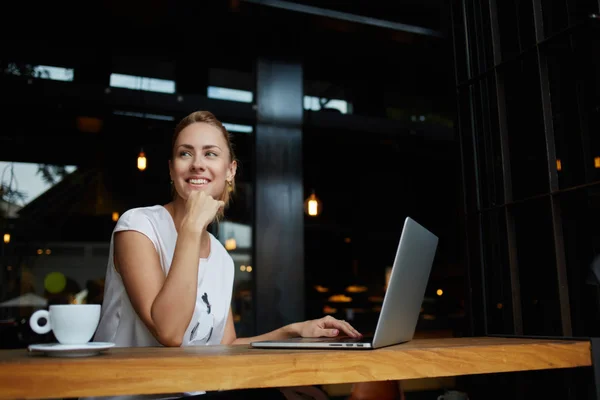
<point>169,281</point>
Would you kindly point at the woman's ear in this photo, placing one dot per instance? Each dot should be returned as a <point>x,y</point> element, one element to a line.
<point>232,170</point>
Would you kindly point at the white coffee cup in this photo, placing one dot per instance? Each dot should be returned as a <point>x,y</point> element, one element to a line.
<point>70,323</point>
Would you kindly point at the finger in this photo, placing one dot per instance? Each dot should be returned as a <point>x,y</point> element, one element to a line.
<point>356,333</point>
<point>350,328</point>
<point>191,200</point>
<point>343,326</point>
<point>329,332</point>
<point>215,204</point>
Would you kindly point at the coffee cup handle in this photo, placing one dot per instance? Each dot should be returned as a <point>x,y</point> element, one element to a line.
<point>34,322</point>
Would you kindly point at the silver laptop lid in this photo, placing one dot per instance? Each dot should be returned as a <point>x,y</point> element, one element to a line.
<point>406,287</point>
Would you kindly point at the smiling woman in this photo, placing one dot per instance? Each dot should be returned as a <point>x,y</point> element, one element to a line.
<point>169,281</point>
<point>202,158</point>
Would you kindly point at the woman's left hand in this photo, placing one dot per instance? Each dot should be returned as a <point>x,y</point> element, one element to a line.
<point>326,326</point>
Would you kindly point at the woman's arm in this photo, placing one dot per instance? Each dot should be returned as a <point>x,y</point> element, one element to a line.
<point>230,337</point>
<point>326,326</point>
<point>164,304</point>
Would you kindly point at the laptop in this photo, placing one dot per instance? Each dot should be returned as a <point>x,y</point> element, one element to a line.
<point>402,302</point>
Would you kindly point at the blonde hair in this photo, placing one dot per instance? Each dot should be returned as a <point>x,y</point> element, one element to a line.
<point>208,118</point>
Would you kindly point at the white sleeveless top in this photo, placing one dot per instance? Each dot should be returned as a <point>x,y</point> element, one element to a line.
<point>120,324</point>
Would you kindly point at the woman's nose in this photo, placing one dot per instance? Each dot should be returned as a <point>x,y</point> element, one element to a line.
<point>198,164</point>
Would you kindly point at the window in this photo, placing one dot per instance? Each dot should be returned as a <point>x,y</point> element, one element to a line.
<point>41,71</point>
<point>315,104</point>
<point>142,83</point>
<point>310,102</point>
<point>221,93</point>
<point>238,128</point>
<point>24,182</point>
<point>145,115</point>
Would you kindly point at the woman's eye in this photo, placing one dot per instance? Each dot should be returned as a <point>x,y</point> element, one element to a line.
<point>184,153</point>
<point>211,154</point>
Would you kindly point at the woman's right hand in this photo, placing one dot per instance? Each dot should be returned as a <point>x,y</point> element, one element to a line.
<point>200,211</point>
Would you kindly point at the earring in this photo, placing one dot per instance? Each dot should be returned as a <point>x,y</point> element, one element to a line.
<point>229,186</point>
<point>171,182</point>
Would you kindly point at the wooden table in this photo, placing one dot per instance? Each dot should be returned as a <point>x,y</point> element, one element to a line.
<point>167,370</point>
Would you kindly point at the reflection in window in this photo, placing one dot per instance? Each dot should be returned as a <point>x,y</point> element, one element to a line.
<point>310,102</point>
<point>142,83</point>
<point>159,117</point>
<point>238,128</point>
<point>241,233</point>
<point>237,239</point>
<point>40,71</point>
<point>221,93</point>
<point>39,266</point>
<point>315,104</point>
<point>23,182</point>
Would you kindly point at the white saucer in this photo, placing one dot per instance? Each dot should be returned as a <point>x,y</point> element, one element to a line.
<point>71,350</point>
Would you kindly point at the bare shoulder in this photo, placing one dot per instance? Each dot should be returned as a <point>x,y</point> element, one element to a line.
<point>133,248</point>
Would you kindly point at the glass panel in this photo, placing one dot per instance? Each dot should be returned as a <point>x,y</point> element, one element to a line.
<point>41,263</point>
<point>486,36</point>
<point>475,275</point>
<point>509,37</point>
<point>468,160</point>
<point>586,66</point>
<point>580,10</point>
<point>244,96</point>
<point>563,77</point>
<point>472,29</point>
<point>515,20</point>
<point>237,239</point>
<point>235,233</point>
<point>494,144</point>
<point>489,153</point>
<point>331,268</point>
<point>40,71</point>
<point>580,212</point>
<point>497,273</point>
<point>560,14</point>
<point>525,24</point>
<point>526,138</point>
<point>555,15</point>
<point>480,137</point>
<point>537,267</point>
<point>480,36</point>
<point>460,44</point>
<point>142,83</point>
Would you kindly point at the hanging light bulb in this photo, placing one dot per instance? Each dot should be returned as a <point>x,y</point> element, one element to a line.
<point>115,216</point>
<point>7,238</point>
<point>596,162</point>
<point>230,244</point>
<point>141,161</point>
<point>312,205</point>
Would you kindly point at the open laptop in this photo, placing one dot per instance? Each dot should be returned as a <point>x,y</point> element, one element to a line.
<point>402,302</point>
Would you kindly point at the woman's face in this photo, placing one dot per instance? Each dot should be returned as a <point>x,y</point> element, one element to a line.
<point>201,161</point>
